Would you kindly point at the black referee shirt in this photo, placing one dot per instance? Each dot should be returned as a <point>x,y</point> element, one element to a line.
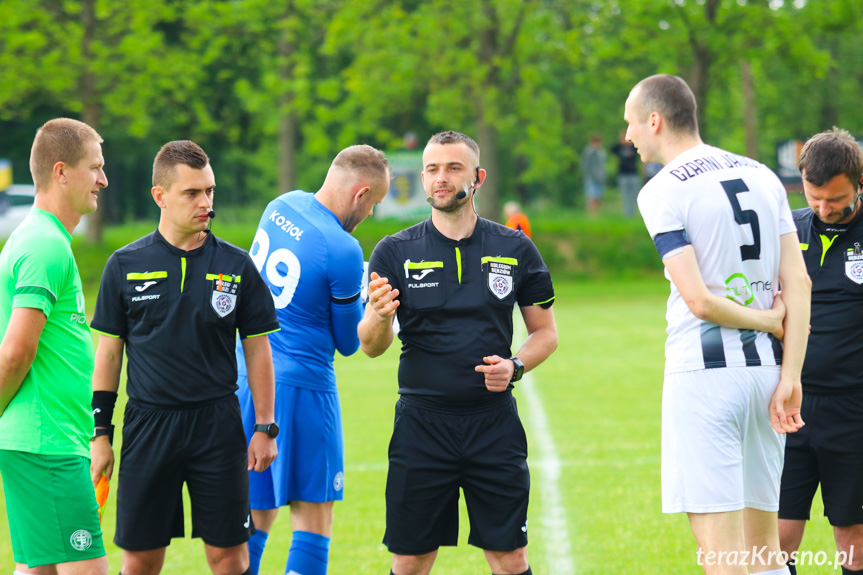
<point>834,260</point>
<point>456,301</point>
<point>179,313</point>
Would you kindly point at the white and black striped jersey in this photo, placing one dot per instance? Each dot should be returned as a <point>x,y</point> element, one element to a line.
<point>732,210</point>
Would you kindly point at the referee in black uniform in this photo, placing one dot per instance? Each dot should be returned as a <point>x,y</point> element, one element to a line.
<point>175,300</point>
<point>829,449</point>
<point>453,281</point>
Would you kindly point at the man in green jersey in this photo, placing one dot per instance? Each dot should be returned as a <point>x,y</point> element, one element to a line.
<point>46,363</point>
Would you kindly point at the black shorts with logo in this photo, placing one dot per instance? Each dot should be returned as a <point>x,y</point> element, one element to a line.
<point>433,454</point>
<point>203,446</point>
<point>829,450</point>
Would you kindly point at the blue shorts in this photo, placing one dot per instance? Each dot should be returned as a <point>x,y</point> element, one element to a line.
<point>311,462</point>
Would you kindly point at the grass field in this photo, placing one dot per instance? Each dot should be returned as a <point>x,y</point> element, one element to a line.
<point>595,502</point>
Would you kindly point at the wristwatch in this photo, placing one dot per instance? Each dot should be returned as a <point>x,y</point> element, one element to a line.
<point>270,429</point>
<point>100,431</point>
<point>519,369</point>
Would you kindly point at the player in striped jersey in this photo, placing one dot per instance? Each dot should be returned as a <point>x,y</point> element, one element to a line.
<point>722,225</point>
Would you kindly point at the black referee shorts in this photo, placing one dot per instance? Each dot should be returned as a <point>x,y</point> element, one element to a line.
<point>432,454</point>
<point>203,446</point>
<point>829,450</point>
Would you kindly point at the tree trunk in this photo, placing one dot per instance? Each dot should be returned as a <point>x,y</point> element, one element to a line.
<point>750,111</point>
<point>287,160</point>
<point>700,84</point>
<point>486,138</point>
<point>90,101</point>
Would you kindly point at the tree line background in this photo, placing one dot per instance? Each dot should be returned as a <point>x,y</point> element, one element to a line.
<point>272,90</point>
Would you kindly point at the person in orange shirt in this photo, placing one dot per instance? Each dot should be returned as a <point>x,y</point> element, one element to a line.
<point>515,219</point>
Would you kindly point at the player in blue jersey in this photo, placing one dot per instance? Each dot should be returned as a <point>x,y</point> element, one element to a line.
<point>314,267</point>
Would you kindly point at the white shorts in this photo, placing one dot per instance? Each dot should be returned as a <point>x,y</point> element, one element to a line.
<point>719,452</point>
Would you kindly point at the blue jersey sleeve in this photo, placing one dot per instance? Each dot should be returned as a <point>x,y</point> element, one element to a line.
<point>345,273</point>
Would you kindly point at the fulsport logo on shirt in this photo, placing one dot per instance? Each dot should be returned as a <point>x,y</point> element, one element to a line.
<point>145,285</point>
<point>154,296</point>
<point>422,269</point>
<point>422,274</point>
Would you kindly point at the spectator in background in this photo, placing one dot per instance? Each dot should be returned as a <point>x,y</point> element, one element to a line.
<point>593,168</point>
<point>515,219</point>
<point>628,178</point>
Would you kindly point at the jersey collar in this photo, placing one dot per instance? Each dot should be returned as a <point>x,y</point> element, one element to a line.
<point>39,212</point>
<point>480,225</point>
<point>183,253</point>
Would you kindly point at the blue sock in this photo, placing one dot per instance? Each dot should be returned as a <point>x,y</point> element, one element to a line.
<point>256,550</point>
<point>308,555</point>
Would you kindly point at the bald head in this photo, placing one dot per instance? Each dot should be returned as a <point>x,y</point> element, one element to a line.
<point>671,98</point>
<point>359,163</point>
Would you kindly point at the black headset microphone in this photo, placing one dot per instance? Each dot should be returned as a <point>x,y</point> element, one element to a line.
<point>850,209</point>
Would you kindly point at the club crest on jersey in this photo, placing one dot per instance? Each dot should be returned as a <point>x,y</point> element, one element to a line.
<point>224,298</point>
<point>854,266</point>
<point>223,303</point>
<point>500,279</point>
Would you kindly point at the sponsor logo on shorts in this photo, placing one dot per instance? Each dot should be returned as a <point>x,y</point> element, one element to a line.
<point>339,481</point>
<point>248,520</point>
<point>81,540</point>
<point>524,527</point>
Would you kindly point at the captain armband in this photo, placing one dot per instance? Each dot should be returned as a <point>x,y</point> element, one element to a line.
<point>671,243</point>
<point>103,407</point>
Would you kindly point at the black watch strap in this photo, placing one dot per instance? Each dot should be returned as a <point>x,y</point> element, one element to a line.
<point>271,429</point>
<point>519,369</point>
<point>100,431</point>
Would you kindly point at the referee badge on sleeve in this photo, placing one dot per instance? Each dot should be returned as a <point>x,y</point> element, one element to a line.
<point>854,266</point>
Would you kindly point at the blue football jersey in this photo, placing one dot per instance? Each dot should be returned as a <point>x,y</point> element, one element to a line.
<point>314,270</point>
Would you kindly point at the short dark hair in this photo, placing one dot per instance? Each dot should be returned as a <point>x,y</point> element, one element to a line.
<point>672,98</point>
<point>59,140</point>
<point>183,152</point>
<point>830,153</point>
<point>451,137</point>
<point>363,160</point>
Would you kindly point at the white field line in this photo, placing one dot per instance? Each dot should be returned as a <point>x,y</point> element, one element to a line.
<point>553,527</point>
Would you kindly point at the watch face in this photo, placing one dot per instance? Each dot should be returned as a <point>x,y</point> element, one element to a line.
<point>273,430</point>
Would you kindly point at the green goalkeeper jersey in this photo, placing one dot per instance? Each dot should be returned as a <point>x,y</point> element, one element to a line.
<point>51,413</point>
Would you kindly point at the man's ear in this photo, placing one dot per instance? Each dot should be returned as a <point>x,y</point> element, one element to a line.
<point>59,172</point>
<point>158,195</point>
<point>360,193</point>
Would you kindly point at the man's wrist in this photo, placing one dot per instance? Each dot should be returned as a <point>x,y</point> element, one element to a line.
<point>518,369</point>
<point>107,432</point>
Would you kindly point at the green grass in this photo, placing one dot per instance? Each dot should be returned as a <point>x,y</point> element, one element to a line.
<point>601,394</point>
